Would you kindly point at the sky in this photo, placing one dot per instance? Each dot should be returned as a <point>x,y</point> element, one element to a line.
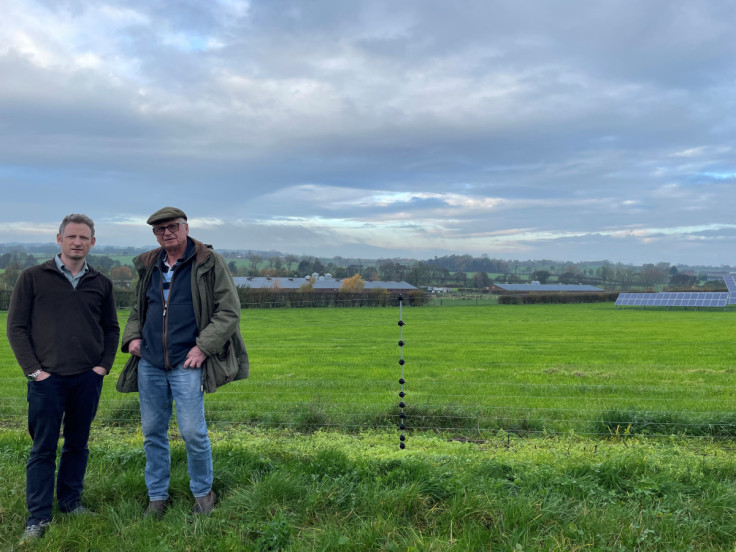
<point>570,130</point>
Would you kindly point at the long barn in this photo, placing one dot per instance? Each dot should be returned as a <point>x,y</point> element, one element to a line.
<point>325,282</point>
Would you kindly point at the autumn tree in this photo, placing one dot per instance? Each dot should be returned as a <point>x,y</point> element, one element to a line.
<point>121,275</point>
<point>480,280</point>
<point>353,284</point>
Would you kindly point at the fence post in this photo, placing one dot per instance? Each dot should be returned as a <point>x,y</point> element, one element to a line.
<point>402,415</point>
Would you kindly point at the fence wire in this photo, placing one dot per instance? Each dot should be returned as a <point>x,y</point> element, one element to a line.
<point>483,409</point>
<point>475,397</point>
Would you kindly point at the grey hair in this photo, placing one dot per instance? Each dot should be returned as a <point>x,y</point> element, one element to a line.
<point>78,219</point>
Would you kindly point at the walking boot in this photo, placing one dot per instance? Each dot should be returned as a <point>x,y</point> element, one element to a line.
<point>156,509</point>
<point>205,504</point>
<point>34,532</point>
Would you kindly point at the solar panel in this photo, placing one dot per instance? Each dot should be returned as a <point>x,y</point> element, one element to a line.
<point>677,299</point>
<point>730,282</point>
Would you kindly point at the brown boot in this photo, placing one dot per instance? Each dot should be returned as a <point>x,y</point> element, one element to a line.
<point>205,504</point>
<point>156,509</point>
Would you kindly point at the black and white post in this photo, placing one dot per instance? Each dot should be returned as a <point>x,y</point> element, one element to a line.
<point>402,381</point>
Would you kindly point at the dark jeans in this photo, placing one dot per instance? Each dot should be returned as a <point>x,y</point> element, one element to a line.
<point>71,400</point>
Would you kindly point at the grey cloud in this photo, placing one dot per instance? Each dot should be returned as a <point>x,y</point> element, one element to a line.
<point>576,115</point>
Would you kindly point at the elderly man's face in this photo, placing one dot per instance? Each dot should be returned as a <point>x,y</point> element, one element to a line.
<point>174,234</point>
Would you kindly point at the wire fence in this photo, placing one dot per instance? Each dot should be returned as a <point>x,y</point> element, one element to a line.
<point>515,408</point>
<point>470,374</point>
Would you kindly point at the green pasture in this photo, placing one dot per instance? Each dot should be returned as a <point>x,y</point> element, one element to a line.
<point>588,368</point>
<point>358,492</point>
<point>513,401</point>
<point>124,260</point>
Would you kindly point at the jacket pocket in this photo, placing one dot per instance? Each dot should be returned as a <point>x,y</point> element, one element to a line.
<point>221,367</point>
<point>128,380</point>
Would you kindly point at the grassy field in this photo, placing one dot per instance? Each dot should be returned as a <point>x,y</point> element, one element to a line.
<point>540,427</point>
<point>589,368</point>
<point>356,492</point>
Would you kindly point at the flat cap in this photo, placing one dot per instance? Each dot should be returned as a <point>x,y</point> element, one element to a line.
<point>166,213</point>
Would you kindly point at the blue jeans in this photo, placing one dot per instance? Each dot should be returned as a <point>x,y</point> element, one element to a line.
<point>73,401</point>
<point>158,389</point>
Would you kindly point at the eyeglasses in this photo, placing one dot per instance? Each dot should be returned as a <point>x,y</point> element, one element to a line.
<point>173,227</point>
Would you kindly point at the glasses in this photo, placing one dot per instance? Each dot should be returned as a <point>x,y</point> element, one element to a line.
<point>173,227</point>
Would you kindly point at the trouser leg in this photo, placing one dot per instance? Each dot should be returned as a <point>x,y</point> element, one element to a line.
<point>156,406</point>
<point>189,399</point>
<point>46,401</point>
<point>82,400</point>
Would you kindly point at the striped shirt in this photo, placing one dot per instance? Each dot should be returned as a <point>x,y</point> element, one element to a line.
<point>167,273</point>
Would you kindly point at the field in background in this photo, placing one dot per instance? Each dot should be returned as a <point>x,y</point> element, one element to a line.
<point>589,368</point>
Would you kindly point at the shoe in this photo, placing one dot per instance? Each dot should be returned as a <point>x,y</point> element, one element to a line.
<point>34,531</point>
<point>156,509</point>
<point>81,511</point>
<point>204,504</point>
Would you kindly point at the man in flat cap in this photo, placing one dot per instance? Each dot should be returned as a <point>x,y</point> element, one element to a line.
<point>183,334</point>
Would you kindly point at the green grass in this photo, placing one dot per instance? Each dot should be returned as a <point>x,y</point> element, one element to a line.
<point>332,491</point>
<point>124,260</point>
<point>514,402</point>
<point>536,367</point>
<point>589,368</point>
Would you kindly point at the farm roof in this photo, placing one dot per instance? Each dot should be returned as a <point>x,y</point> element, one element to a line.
<point>572,288</point>
<point>326,283</point>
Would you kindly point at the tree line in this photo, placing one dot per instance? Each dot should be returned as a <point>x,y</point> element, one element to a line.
<point>461,271</point>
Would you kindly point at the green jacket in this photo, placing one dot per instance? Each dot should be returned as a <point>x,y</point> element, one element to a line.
<point>217,310</point>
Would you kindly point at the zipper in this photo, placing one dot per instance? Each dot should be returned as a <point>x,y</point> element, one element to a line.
<point>166,318</point>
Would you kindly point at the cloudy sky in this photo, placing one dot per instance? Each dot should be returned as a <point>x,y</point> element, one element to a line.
<point>572,130</point>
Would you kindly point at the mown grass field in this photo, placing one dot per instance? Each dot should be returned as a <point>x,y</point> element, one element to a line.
<point>540,427</point>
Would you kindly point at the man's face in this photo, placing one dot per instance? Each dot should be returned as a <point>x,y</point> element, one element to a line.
<point>171,239</point>
<point>76,241</point>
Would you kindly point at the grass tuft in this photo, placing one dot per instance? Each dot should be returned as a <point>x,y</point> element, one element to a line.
<point>624,422</point>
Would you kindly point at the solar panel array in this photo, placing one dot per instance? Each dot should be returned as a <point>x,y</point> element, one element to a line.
<point>730,282</point>
<point>675,299</point>
<point>731,285</point>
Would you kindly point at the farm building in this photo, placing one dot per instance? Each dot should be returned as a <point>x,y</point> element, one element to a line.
<point>326,282</point>
<point>543,288</point>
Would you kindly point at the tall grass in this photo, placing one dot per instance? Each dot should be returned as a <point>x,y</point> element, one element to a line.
<point>332,491</point>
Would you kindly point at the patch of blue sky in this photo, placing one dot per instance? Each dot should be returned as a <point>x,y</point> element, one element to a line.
<point>190,42</point>
<point>728,175</point>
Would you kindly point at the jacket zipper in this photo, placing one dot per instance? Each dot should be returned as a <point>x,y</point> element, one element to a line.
<point>166,318</point>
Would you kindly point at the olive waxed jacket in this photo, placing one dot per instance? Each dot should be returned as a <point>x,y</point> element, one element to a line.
<point>216,308</point>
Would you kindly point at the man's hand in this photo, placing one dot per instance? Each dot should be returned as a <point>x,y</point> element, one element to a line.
<point>99,370</point>
<point>134,347</point>
<point>195,358</point>
<point>42,376</point>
